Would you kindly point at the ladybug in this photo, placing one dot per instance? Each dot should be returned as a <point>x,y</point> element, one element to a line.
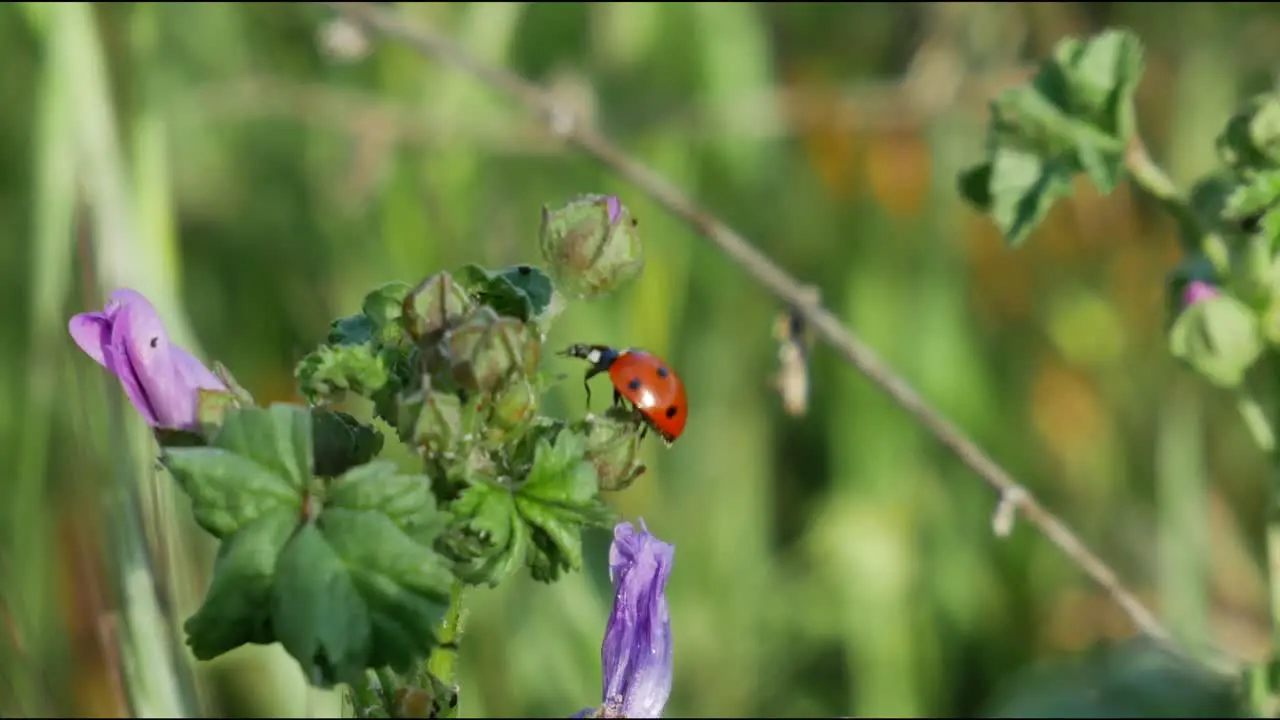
<point>643,379</point>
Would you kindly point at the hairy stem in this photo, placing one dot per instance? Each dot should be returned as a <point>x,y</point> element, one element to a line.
<point>444,660</point>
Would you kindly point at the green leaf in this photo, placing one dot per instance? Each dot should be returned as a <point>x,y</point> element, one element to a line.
<point>1258,195</point>
<point>405,499</point>
<point>260,461</point>
<point>342,442</point>
<point>237,608</point>
<point>352,592</point>
<point>385,305</point>
<point>1023,188</point>
<point>1076,116</point>
<point>533,283</point>
<point>1220,338</point>
<point>522,292</point>
<point>352,330</point>
<point>1102,75</point>
<point>1250,142</point>
<point>1133,679</point>
<point>487,539</point>
<point>330,371</point>
<point>558,498</point>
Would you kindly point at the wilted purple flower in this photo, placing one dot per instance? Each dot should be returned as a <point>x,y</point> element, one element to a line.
<point>1196,291</point>
<point>161,379</point>
<point>636,655</point>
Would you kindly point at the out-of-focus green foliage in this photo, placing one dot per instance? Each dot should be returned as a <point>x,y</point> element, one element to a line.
<point>256,168</point>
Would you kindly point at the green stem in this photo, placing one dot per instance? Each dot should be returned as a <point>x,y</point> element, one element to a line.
<point>1259,408</point>
<point>1154,181</point>
<point>443,663</point>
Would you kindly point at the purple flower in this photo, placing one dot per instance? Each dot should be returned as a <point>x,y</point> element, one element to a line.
<point>161,379</point>
<point>636,654</point>
<point>1196,291</point>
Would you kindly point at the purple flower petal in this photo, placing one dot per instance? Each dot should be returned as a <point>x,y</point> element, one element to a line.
<point>1197,291</point>
<point>636,654</point>
<point>91,331</point>
<point>615,208</point>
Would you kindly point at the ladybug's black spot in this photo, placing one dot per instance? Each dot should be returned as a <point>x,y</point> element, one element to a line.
<point>634,385</point>
<point>663,372</point>
<point>671,411</point>
<point>155,341</point>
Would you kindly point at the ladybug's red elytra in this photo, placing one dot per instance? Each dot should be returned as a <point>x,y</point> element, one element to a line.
<point>643,379</point>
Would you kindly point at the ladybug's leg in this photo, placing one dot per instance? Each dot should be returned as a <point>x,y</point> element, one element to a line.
<point>586,383</point>
<point>617,397</point>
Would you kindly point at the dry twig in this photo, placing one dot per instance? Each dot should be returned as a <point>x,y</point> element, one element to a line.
<point>387,23</point>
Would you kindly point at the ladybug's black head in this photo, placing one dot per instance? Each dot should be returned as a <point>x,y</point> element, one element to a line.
<point>600,356</point>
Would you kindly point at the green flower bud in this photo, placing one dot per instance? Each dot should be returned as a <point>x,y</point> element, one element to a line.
<point>613,446</point>
<point>513,409</point>
<point>440,424</point>
<point>1219,337</point>
<point>590,246</point>
<point>487,348</point>
<point>434,305</point>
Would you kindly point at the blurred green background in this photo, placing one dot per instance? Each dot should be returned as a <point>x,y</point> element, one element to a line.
<point>255,168</point>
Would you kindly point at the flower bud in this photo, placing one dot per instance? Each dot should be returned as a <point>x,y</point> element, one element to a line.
<point>487,348</point>
<point>513,409</point>
<point>613,447</point>
<point>434,305</point>
<point>438,423</point>
<point>590,246</point>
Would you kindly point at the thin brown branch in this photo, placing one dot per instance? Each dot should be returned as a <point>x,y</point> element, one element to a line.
<point>428,41</point>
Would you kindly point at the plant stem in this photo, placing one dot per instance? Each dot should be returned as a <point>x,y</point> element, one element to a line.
<point>443,663</point>
<point>1154,181</point>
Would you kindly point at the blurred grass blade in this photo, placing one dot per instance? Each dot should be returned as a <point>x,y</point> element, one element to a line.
<point>154,680</point>
<point>28,540</point>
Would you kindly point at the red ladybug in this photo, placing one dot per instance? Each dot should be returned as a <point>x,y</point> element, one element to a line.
<point>643,379</point>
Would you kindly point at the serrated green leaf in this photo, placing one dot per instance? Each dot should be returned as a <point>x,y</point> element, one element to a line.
<point>487,540</point>
<point>1023,188</point>
<point>331,370</point>
<point>1102,75</point>
<point>353,592</point>
<point>1075,116</point>
<point>352,330</point>
<point>533,283</point>
<point>497,291</point>
<point>1134,679</point>
<point>405,499</point>
<point>341,442</point>
<point>558,498</point>
<point>237,608</point>
<point>260,461</point>
<point>1220,338</point>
